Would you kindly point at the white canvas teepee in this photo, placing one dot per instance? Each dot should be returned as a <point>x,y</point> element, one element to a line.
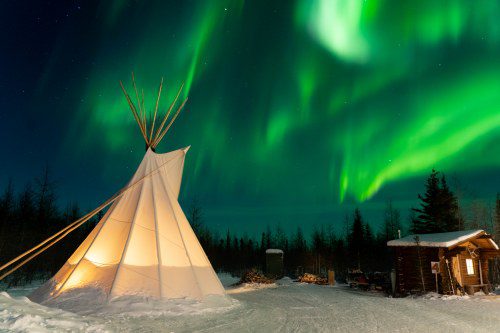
<point>143,245</point>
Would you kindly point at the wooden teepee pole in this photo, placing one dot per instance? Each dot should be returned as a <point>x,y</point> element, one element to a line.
<point>170,124</point>
<point>72,226</point>
<point>159,130</point>
<point>156,110</point>
<point>85,217</point>
<point>134,111</point>
<point>152,136</point>
<point>15,268</point>
<point>144,119</point>
<point>141,111</point>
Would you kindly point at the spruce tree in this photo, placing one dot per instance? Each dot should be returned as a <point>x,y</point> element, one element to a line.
<point>46,202</point>
<point>195,217</point>
<point>263,242</point>
<point>368,247</point>
<point>299,242</point>
<point>438,210</point>
<point>414,222</point>
<point>266,240</point>
<point>298,249</point>
<point>318,247</point>
<point>427,216</point>
<point>7,204</point>
<point>448,208</point>
<point>26,213</point>
<point>279,238</point>
<point>356,239</point>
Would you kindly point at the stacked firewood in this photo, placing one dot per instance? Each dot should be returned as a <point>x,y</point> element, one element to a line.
<point>254,276</point>
<point>311,278</point>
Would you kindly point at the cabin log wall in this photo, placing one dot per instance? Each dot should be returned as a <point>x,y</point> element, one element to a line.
<point>408,278</point>
<point>413,264</point>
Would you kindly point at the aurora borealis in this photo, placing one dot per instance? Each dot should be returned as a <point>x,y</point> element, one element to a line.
<point>298,110</point>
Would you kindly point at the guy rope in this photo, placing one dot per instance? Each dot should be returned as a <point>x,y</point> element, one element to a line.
<point>47,243</point>
<point>152,140</point>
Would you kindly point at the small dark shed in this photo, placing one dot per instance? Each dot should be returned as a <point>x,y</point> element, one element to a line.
<point>460,259</point>
<point>274,263</point>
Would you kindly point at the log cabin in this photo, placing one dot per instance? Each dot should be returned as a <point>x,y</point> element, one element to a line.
<point>449,262</point>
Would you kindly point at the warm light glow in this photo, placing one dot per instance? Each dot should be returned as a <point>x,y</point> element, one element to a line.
<point>76,280</point>
<point>470,266</point>
<point>145,245</point>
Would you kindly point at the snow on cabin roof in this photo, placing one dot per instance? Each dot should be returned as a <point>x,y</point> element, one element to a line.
<point>278,251</point>
<point>442,239</point>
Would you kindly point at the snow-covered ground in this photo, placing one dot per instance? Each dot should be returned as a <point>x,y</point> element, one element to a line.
<point>281,307</point>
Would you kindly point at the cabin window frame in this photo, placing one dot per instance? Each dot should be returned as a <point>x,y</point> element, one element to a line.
<point>469,264</point>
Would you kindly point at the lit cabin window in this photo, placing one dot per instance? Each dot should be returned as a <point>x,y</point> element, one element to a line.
<point>470,266</point>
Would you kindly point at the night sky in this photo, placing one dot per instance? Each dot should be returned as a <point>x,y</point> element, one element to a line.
<point>298,111</point>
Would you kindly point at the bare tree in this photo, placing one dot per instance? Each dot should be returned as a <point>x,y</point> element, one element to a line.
<point>417,241</point>
<point>392,222</point>
<point>479,216</point>
<point>195,216</point>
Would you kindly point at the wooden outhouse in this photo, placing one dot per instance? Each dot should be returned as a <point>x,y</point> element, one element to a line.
<point>449,262</point>
<point>274,263</point>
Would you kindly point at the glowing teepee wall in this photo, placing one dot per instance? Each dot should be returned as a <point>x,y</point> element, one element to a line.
<point>143,245</point>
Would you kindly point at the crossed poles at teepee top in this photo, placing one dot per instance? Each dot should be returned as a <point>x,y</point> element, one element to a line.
<point>139,113</point>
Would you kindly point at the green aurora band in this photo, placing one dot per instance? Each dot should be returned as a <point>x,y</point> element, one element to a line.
<point>337,97</point>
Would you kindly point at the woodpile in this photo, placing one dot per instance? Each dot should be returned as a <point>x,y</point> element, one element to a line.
<point>311,278</point>
<point>254,276</point>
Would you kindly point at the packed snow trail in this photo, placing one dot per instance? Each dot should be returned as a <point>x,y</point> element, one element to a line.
<point>311,308</point>
<point>286,307</point>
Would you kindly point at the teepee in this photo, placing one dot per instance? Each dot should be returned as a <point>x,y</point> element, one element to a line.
<point>144,245</point>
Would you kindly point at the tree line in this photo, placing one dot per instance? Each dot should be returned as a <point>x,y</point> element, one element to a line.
<point>355,247</point>
<point>358,246</point>
<point>29,216</point>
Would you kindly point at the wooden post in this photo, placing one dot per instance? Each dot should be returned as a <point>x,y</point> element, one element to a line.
<point>436,275</point>
<point>451,279</point>
<point>459,270</point>
<point>331,277</point>
<point>393,281</point>
<point>480,271</point>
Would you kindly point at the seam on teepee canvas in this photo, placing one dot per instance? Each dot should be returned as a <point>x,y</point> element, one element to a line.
<point>129,235</point>
<point>180,233</point>
<point>110,211</point>
<point>171,241</point>
<point>105,218</point>
<point>158,253</point>
<point>214,275</point>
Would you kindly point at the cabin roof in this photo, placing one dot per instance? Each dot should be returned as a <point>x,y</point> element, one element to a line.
<point>442,239</point>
